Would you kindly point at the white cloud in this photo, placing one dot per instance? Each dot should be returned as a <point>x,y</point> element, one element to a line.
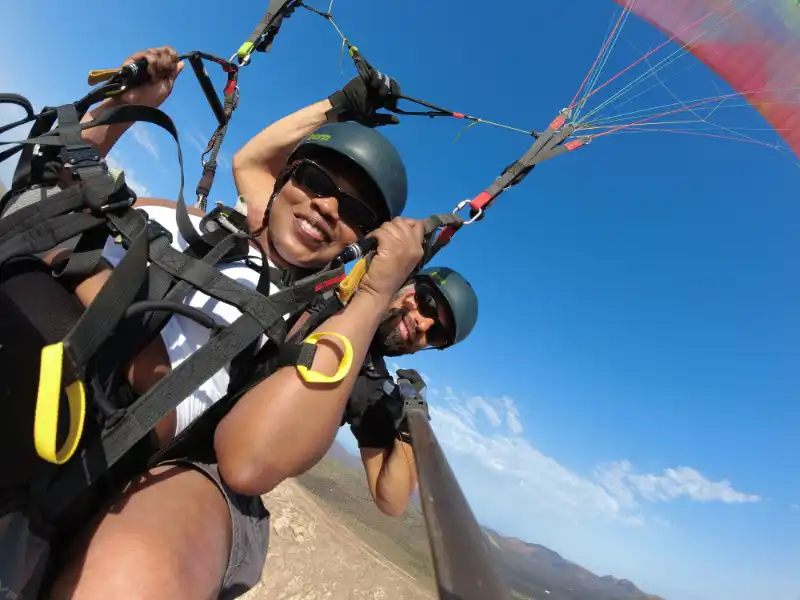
<point>613,477</point>
<point>540,480</point>
<point>486,456</point>
<point>477,403</point>
<point>512,416</point>
<point>145,139</point>
<point>672,484</point>
<point>795,506</point>
<point>514,424</point>
<point>685,481</point>
<point>197,141</point>
<point>137,186</point>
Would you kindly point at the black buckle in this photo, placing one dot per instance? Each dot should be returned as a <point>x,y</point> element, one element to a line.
<point>79,157</point>
<point>156,230</point>
<point>153,229</point>
<point>114,204</point>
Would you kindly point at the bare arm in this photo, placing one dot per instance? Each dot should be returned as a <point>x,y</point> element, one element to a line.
<point>391,476</point>
<point>258,163</point>
<point>163,67</point>
<point>105,136</point>
<point>284,425</point>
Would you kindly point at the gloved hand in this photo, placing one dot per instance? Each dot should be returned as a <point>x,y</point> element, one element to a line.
<point>416,400</point>
<point>413,377</point>
<point>375,426</point>
<point>361,98</point>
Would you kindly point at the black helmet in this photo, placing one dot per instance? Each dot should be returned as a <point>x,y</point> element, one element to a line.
<point>369,150</point>
<point>461,298</point>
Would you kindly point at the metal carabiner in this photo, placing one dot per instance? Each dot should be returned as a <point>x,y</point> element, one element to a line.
<point>243,62</point>
<point>464,203</point>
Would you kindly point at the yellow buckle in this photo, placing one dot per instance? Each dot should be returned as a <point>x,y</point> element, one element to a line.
<point>98,76</point>
<point>45,425</point>
<point>344,365</point>
<point>350,284</point>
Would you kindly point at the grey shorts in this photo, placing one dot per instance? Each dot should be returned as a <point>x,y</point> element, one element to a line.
<point>250,533</point>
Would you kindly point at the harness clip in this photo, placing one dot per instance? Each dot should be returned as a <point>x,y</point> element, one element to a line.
<point>474,215</point>
<point>80,156</point>
<point>156,230</point>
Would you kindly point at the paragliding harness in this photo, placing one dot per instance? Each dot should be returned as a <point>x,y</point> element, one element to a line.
<point>83,357</point>
<point>82,370</point>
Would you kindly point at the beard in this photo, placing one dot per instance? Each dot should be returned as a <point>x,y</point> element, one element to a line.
<point>388,340</point>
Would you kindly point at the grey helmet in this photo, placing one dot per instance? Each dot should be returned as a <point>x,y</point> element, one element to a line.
<point>369,150</point>
<point>460,296</point>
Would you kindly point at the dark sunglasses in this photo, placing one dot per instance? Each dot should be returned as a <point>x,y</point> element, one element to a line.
<point>428,304</point>
<point>318,181</point>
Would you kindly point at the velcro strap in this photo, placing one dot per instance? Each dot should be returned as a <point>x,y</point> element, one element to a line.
<point>297,354</point>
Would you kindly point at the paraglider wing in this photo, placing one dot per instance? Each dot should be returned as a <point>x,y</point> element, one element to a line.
<point>754,45</point>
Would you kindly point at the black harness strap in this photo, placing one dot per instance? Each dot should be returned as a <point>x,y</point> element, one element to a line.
<point>74,477</point>
<point>42,226</point>
<point>266,30</point>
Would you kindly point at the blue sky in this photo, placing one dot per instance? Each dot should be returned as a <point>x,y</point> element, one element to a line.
<point>629,397</point>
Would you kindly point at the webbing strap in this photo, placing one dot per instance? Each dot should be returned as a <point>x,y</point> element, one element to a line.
<point>109,306</point>
<point>140,419</point>
<point>542,149</point>
<point>85,257</point>
<point>231,100</point>
<point>163,286</point>
<point>266,30</point>
<point>29,116</point>
<point>46,235</point>
<point>165,395</point>
<point>35,214</point>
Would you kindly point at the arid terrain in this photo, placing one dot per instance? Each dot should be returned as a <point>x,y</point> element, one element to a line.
<point>330,542</point>
<point>313,555</point>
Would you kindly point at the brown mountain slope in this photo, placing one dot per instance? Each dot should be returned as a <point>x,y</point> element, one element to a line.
<point>314,556</point>
<point>329,541</point>
<point>535,571</point>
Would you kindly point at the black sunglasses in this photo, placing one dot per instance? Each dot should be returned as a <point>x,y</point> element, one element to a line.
<point>318,181</point>
<point>429,303</point>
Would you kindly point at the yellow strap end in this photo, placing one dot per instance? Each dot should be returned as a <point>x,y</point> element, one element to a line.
<point>245,50</point>
<point>350,283</point>
<point>344,366</point>
<point>353,50</point>
<point>45,425</point>
<point>96,77</point>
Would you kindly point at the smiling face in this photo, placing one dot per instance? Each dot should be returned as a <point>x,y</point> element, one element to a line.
<point>326,204</point>
<point>418,318</point>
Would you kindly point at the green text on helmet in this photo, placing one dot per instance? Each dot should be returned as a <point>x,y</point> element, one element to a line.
<point>369,150</point>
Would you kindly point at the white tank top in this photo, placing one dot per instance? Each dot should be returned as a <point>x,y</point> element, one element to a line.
<point>182,336</point>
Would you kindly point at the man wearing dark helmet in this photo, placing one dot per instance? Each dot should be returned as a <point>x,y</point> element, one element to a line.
<point>437,308</point>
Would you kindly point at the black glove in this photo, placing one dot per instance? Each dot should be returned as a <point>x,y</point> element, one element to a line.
<point>376,426</point>
<point>361,98</point>
<point>415,400</point>
<point>413,377</point>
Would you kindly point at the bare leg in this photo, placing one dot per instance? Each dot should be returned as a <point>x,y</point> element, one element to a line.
<point>167,537</point>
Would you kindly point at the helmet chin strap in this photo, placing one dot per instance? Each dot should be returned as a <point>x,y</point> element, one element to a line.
<point>291,272</point>
<point>283,178</point>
